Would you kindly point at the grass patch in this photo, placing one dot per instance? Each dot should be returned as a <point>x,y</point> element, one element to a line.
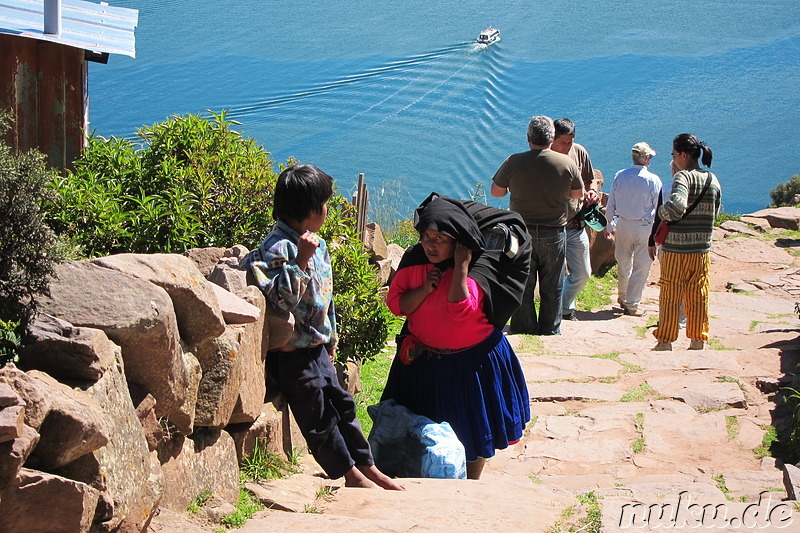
<point>638,444</point>
<point>198,503</point>
<point>641,331</point>
<point>715,344</point>
<point>265,464</point>
<point>532,344</point>
<point>597,292</point>
<point>642,393</point>
<point>246,507</point>
<point>770,436</point>
<point>581,518</point>
<point>373,379</point>
<point>732,426</point>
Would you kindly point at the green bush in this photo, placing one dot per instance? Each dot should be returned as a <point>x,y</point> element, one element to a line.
<point>192,181</point>
<point>784,194</point>
<point>363,318</point>
<point>29,249</point>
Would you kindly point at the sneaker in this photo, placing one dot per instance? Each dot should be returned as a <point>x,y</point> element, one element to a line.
<point>621,301</point>
<point>570,316</point>
<point>663,347</point>
<point>634,311</point>
<point>697,344</point>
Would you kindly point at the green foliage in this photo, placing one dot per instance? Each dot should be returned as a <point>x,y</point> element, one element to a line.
<point>264,464</point>
<point>373,379</point>
<point>191,181</point>
<point>784,193</point>
<point>246,507</point>
<point>29,249</point>
<point>10,341</point>
<point>363,318</point>
<point>201,499</point>
<point>723,217</point>
<point>770,437</point>
<point>597,292</point>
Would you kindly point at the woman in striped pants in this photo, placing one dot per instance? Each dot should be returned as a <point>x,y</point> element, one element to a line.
<point>686,252</point>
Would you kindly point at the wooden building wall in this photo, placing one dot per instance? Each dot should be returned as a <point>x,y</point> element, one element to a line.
<point>44,85</point>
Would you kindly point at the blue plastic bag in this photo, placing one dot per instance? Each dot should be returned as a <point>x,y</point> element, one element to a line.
<point>405,444</point>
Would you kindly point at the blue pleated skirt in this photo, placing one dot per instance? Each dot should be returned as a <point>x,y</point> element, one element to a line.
<point>480,392</point>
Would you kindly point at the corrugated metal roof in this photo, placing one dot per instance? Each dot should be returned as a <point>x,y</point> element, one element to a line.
<point>95,27</point>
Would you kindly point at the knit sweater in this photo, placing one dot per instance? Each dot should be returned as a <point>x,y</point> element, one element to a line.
<point>691,234</point>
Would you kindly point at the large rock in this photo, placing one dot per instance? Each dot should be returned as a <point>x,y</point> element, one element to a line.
<point>65,352</point>
<point>39,502</point>
<point>12,420</point>
<point>205,258</point>
<point>374,241</point>
<point>196,306</point>
<point>30,393</point>
<point>780,217</point>
<point>72,423</point>
<point>14,453</point>
<point>235,310</point>
<point>135,314</point>
<point>204,461</point>
<point>12,413</point>
<point>76,424</point>
<point>121,469</point>
<point>228,277</point>
<point>183,417</point>
<point>252,350</point>
<point>601,252</point>
<point>220,359</point>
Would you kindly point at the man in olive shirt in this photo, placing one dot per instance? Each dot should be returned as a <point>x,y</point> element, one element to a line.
<point>541,181</point>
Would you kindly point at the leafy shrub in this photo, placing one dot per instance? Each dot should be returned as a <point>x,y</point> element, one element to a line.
<point>363,318</point>
<point>723,217</point>
<point>191,181</point>
<point>784,194</point>
<point>28,248</point>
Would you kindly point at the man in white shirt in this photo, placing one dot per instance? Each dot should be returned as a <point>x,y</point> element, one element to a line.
<point>630,211</point>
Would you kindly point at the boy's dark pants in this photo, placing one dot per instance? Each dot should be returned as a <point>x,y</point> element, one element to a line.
<point>325,413</point>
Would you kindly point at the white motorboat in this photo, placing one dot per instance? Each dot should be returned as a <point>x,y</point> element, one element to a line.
<point>488,36</point>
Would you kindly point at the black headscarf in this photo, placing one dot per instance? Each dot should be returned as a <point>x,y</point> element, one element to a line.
<point>502,278</point>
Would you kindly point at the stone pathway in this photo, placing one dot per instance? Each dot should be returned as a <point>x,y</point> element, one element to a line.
<point>647,440</point>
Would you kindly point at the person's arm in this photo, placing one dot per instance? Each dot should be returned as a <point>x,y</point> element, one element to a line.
<point>458,287</point>
<point>278,274</point>
<point>497,191</point>
<point>675,207</point>
<point>410,300</point>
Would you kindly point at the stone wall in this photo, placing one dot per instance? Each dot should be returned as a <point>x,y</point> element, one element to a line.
<point>141,384</point>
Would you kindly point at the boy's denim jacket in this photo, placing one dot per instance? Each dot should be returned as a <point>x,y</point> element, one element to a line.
<point>308,295</point>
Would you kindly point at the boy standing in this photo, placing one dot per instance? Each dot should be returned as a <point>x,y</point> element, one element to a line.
<point>292,267</point>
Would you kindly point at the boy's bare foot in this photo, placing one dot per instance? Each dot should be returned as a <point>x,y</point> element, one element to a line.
<point>354,478</point>
<point>379,478</point>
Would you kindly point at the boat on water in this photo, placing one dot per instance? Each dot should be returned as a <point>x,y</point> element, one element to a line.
<point>488,36</point>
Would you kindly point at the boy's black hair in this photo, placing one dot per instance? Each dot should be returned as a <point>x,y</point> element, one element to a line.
<point>300,191</point>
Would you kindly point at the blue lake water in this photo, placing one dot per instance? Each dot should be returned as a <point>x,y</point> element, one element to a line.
<point>400,92</point>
